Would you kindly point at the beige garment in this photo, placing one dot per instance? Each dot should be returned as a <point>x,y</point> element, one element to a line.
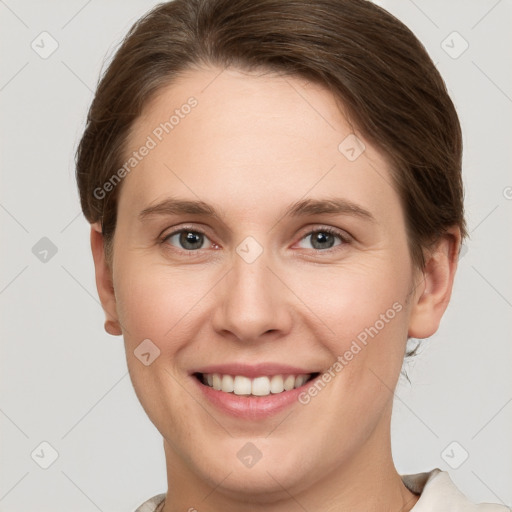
<point>436,490</point>
<point>439,494</point>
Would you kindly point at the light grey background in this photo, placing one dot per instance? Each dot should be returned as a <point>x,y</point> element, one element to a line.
<point>64,381</point>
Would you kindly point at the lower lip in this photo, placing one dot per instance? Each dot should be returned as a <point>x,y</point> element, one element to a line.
<point>251,407</point>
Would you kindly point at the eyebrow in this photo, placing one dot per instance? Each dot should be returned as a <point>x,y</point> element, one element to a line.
<point>302,208</point>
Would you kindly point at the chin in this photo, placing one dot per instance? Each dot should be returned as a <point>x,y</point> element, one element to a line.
<point>258,469</point>
<point>264,484</point>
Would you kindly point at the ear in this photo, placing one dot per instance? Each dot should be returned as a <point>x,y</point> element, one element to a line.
<point>434,285</point>
<point>104,282</point>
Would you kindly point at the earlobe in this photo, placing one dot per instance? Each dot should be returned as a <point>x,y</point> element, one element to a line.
<point>434,287</point>
<point>104,282</point>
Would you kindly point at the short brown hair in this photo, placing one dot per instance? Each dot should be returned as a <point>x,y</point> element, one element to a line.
<point>372,63</point>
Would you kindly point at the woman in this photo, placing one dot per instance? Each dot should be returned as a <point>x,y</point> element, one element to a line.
<point>276,207</point>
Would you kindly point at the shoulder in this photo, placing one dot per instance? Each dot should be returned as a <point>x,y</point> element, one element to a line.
<point>154,504</point>
<point>438,493</point>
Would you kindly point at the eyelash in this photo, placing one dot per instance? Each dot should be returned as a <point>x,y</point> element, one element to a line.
<point>344,238</point>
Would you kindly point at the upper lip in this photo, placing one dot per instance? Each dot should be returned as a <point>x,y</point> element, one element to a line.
<point>254,370</point>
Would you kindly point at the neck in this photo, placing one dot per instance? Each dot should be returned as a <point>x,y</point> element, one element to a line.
<point>368,481</point>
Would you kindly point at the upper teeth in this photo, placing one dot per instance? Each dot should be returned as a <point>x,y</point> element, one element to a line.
<point>260,386</point>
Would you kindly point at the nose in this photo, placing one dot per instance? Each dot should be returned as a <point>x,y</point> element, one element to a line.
<point>252,302</point>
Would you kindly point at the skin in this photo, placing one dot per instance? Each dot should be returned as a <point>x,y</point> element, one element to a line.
<point>254,144</point>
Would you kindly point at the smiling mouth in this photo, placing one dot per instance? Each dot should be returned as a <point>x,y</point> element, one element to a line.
<point>259,386</point>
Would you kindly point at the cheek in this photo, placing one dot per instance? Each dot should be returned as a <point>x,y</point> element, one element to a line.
<point>155,301</point>
<point>351,301</point>
<point>363,319</point>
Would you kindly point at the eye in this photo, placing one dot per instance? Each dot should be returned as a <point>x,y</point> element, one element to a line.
<point>192,239</point>
<point>187,239</point>
<point>325,238</point>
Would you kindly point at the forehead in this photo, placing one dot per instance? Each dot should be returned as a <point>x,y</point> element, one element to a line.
<point>253,138</point>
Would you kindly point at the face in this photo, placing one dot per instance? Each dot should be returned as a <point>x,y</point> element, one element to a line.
<point>287,268</point>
